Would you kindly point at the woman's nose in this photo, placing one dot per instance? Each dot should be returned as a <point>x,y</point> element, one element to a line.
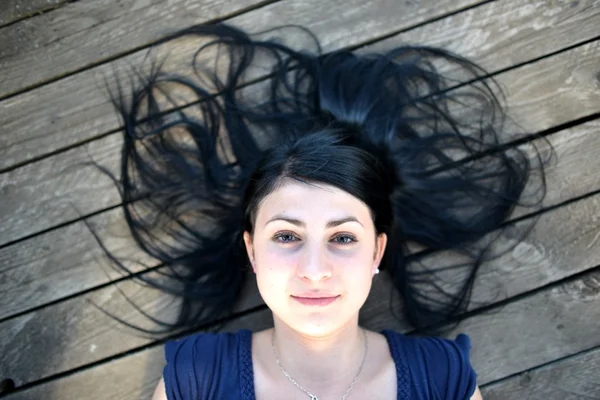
<point>314,265</point>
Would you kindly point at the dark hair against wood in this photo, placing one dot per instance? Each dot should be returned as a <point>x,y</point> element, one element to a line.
<point>72,335</point>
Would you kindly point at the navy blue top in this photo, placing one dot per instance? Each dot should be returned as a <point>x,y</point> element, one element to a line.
<point>219,366</point>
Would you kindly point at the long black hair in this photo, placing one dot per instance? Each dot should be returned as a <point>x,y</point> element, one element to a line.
<point>415,133</point>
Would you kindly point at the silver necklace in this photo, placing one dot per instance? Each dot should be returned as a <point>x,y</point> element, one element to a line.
<point>313,396</point>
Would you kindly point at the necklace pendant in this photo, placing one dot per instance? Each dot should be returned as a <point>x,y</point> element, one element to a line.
<point>313,397</point>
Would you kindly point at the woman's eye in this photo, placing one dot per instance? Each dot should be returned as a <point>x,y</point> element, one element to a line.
<point>344,239</point>
<point>285,238</point>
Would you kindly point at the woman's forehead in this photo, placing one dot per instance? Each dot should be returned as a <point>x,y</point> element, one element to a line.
<point>311,202</point>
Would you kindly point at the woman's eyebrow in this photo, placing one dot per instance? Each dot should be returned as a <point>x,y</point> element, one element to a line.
<point>334,223</point>
<point>301,224</point>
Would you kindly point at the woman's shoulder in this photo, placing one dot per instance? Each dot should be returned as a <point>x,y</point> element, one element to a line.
<point>436,346</point>
<point>434,366</point>
<point>205,343</point>
<point>205,365</point>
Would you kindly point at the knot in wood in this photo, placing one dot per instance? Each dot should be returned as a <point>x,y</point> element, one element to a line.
<point>586,288</point>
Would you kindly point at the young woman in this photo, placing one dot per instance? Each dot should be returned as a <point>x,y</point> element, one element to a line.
<point>315,180</point>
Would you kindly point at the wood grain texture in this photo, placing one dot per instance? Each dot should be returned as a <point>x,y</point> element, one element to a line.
<point>64,262</point>
<point>68,260</point>
<point>14,10</point>
<point>562,244</point>
<point>137,374</point>
<point>570,173</point>
<point>504,342</point>
<point>574,378</point>
<point>96,33</point>
<point>506,33</point>
<point>75,109</point>
<point>552,324</point>
<point>87,32</point>
<point>76,332</point>
<point>44,194</point>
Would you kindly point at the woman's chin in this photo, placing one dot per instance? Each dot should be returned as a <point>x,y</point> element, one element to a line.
<point>315,325</point>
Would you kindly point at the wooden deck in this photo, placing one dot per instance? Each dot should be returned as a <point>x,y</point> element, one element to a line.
<point>540,339</point>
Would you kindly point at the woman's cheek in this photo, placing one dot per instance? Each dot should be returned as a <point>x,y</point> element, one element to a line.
<point>350,259</point>
<point>276,266</point>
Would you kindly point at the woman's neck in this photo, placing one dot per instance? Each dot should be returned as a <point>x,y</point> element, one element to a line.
<point>324,362</point>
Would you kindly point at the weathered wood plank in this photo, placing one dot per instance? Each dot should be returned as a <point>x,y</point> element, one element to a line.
<point>72,112</point>
<point>521,30</point>
<point>575,378</point>
<point>41,195</point>
<point>87,32</point>
<point>64,262</point>
<point>76,332</point>
<point>561,244</point>
<point>105,32</point>
<point>62,178</point>
<point>536,330</point>
<point>14,10</point>
<point>138,382</point>
<point>505,342</point>
<point>68,260</point>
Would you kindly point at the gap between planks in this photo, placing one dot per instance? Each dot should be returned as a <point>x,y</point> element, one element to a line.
<point>13,11</point>
<point>572,378</point>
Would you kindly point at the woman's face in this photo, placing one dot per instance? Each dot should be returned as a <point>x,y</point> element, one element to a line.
<point>314,251</point>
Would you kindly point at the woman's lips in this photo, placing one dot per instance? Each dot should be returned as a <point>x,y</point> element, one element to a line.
<point>315,301</point>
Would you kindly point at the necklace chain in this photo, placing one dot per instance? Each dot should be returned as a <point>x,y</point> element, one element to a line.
<point>312,396</point>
